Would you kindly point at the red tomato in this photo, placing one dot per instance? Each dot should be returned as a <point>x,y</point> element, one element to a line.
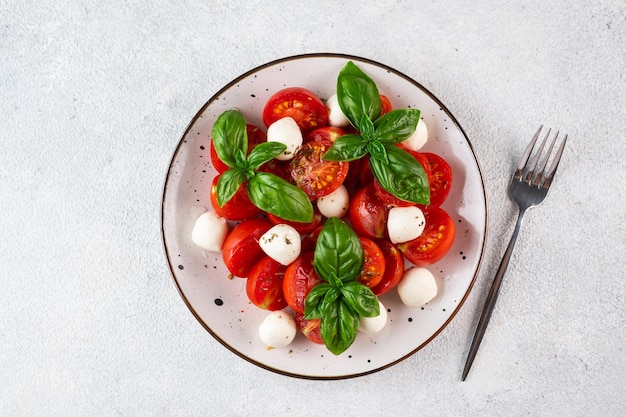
<point>264,285</point>
<point>394,267</point>
<point>300,277</point>
<point>374,265</point>
<point>440,178</point>
<point>302,228</point>
<point>237,208</point>
<point>255,137</point>
<point>385,105</point>
<point>330,133</point>
<point>278,168</point>
<point>434,242</point>
<point>359,175</point>
<point>298,103</point>
<point>315,176</point>
<point>310,240</point>
<point>309,328</point>
<point>241,248</point>
<point>368,213</point>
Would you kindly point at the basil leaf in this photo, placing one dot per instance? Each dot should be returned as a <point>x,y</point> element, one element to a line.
<point>361,299</point>
<point>330,299</point>
<point>338,252</point>
<point>313,301</point>
<point>377,150</point>
<point>403,176</point>
<point>275,195</point>
<point>228,183</point>
<point>396,126</point>
<point>366,127</point>
<point>229,136</point>
<point>347,148</point>
<point>357,95</point>
<point>339,327</point>
<point>263,153</point>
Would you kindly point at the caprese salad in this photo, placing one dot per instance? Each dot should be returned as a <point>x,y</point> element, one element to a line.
<point>329,207</point>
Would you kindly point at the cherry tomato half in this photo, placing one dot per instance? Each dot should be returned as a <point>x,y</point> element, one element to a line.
<point>239,207</point>
<point>385,105</point>
<point>368,213</point>
<point>434,242</point>
<point>394,267</point>
<point>264,285</point>
<point>298,103</point>
<point>315,176</point>
<point>330,133</point>
<point>255,137</point>
<point>241,248</point>
<point>309,328</point>
<point>440,178</point>
<point>300,277</point>
<point>374,265</point>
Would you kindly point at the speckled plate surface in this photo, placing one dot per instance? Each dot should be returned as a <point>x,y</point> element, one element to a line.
<point>221,305</point>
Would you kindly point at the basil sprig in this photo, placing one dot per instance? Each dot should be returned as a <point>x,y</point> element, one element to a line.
<point>394,168</point>
<point>267,191</point>
<point>340,300</point>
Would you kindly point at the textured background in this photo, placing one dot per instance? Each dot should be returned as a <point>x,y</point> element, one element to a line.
<point>94,98</point>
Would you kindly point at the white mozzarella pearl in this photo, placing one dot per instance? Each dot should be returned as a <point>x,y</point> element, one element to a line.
<point>285,131</point>
<point>281,243</point>
<point>373,325</point>
<point>335,115</point>
<point>278,329</point>
<point>419,138</point>
<point>405,223</point>
<point>334,204</point>
<point>209,231</point>
<point>417,287</point>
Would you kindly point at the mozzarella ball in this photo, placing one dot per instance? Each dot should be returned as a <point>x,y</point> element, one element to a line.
<point>418,138</point>
<point>285,131</point>
<point>334,204</point>
<point>209,231</point>
<point>335,115</point>
<point>405,223</point>
<point>281,243</point>
<point>372,325</point>
<point>277,329</point>
<point>417,287</point>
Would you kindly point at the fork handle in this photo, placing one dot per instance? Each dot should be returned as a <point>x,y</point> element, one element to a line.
<point>490,302</point>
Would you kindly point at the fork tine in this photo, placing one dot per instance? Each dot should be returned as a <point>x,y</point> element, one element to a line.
<point>555,163</point>
<point>531,173</point>
<point>541,169</point>
<point>519,171</point>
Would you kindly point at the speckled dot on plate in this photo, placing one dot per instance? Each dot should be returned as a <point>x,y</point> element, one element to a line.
<point>219,302</point>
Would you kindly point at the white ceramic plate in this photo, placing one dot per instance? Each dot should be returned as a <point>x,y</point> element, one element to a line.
<point>221,305</point>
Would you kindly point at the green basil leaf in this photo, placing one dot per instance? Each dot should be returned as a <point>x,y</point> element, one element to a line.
<point>228,183</point>
<point>377,150</point>
<point>263,153</point>
<point>275,195</point>
<point>357,95</point>
<point>347,148</point>
<point>397,125</point>
<point>229,136</point>
<point>361,299</point>
<point>366,127</point>
<point>403,176</point>
<point>314,299</point>
<point>329,301</point>
<point>338,252</point>
<point>339,327</point>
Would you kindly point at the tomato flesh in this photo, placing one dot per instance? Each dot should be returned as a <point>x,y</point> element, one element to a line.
<point>315,176</point>
<point>394,267</point>
<point>241,249</point>
<point>300,277</point>
<point>374,265</point>
<point>368,213</point>
<point>330,133</point>
<point>434,242</point>
<point>309,328</point>
<point>301,104</point>
<point>264,285</point>
<point>440,178</point>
